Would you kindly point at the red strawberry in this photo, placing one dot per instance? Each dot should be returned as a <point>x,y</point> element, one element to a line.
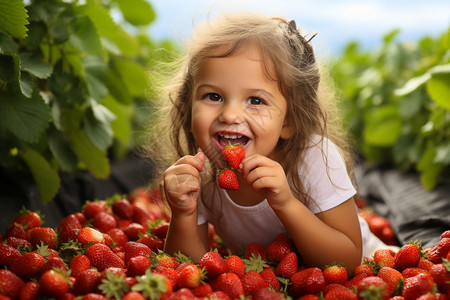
<point>445,234</point>
<point>7,255</point>
<point>393,278</point>
<point>153,286</point>
<point>364,268</point>
<point>268,294</point>
<point>155,244</point>
<point>141,215</point>
<point>28,265</point>
<point>53,263</point>
<point>407,256</point>
<point>255,248</point>
<point>219,295</point>
<point>425,264</point>
<point>103,221</point>
<point>137,265</point>
<point>202,290</point>
<point>335,273</point>
<point>43,234</point>
<point>16,230</point>
<point>235,265</point>
<point>160,230</point>
<point>411,272</point>
<point>132,295</point>
<point>94,296</point>
<point>279,247</point>
<point>233,154</point>
<point>79,264</point>
<point>230,284</point>
<point>90,235</point>
<point>188,275</point>
<point>373,286</point>
<point>133,249</point>
<point>213,263</point>
<point>287,266</point>
<point>228,180</point>
<point>68,228</point>
<point>90,209</point>
<point>10,284</point>
<point>384,258</point>
<point>335,291</point>
<point>133,230</point>
<point>354,281</point>
<point>167,261</point>
<point>270,278</point>
<point>252,281</point>
<point>416,286</point>
<point>123,208</point>
<point>439,251</point>
<point>170,273</point>
<point>102,257</point>
<point>53,283</point>
<point>30,291</point>
<point>87,282</point>
<point>441,275</point>
<point>183,294</point>
<point>118,236</point>
<point>308,281</point>
<point>28,219</point>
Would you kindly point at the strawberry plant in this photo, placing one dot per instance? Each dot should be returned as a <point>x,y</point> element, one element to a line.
<point>73,83</point>
<point>396,102</point>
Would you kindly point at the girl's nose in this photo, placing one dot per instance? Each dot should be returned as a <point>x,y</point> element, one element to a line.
<point>232,113</point>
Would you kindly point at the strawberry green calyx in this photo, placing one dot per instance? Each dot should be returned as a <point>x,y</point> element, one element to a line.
<point>114,286</point>
<point>153,286</point>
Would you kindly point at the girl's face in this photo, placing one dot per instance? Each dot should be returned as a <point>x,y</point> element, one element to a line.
<point>234,100</point>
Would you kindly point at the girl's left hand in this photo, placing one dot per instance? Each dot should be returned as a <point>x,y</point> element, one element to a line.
<point>267,177</point>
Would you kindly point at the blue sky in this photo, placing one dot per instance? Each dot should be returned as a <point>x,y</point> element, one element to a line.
<point>336,22</point>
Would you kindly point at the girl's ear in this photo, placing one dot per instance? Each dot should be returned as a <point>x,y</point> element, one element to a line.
<point>286,130</point>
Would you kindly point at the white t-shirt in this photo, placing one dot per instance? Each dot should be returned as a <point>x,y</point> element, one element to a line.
<point>239,226</point>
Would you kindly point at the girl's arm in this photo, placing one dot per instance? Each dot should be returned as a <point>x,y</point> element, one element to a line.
<point>330,236</point>
<point>182,188</point>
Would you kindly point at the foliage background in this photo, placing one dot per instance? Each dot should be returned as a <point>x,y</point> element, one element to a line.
<point>73,85</point>
<point>74,91</point>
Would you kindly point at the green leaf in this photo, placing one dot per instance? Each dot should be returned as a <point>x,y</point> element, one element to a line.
<point>95,73</point>
<point>13,18</point>
<point>95,160</point>
<point>62,150</point>
<point>7,44</point>
<point>26,84</point>
<point>26,118</point>
<point>383,126</point>
<point>137,12</point>
<point>134,76</point>
<point>121,125</point>
<point>438,88</point>
<point>46,178</point>
<point>98,131</point>
<point>10,69</point>
<point>412,85</point>
<point>37,67</point>
<point>84,36</point>
<point>106,27</point>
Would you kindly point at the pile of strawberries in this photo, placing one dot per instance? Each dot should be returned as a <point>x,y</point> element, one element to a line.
<point>112,249</point>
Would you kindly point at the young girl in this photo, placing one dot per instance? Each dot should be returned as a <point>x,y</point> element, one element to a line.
<point>254,80</point>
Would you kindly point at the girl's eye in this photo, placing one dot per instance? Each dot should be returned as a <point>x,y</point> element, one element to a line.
<point>255,101</point>
<point>213,97</point>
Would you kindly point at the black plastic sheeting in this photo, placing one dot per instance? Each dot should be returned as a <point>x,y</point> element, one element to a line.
<point>414,212</point>
<point>17,191</point>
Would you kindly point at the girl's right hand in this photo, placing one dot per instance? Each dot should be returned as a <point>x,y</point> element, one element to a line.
<point>182,183</point>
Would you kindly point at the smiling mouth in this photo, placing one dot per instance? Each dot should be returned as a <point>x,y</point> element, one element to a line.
<point>224,139</point>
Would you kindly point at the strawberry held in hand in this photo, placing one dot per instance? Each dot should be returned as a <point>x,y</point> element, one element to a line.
<point>233,154</point>
<point>228,180</point>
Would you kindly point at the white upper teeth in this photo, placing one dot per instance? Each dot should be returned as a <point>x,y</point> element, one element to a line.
<point>231,136</point>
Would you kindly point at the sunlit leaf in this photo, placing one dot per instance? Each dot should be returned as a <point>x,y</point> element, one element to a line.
<point>137,12</point>
<point>13,18</point>
<point>383,127</point>
<point>439,89</point>
<point>134,76</point>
